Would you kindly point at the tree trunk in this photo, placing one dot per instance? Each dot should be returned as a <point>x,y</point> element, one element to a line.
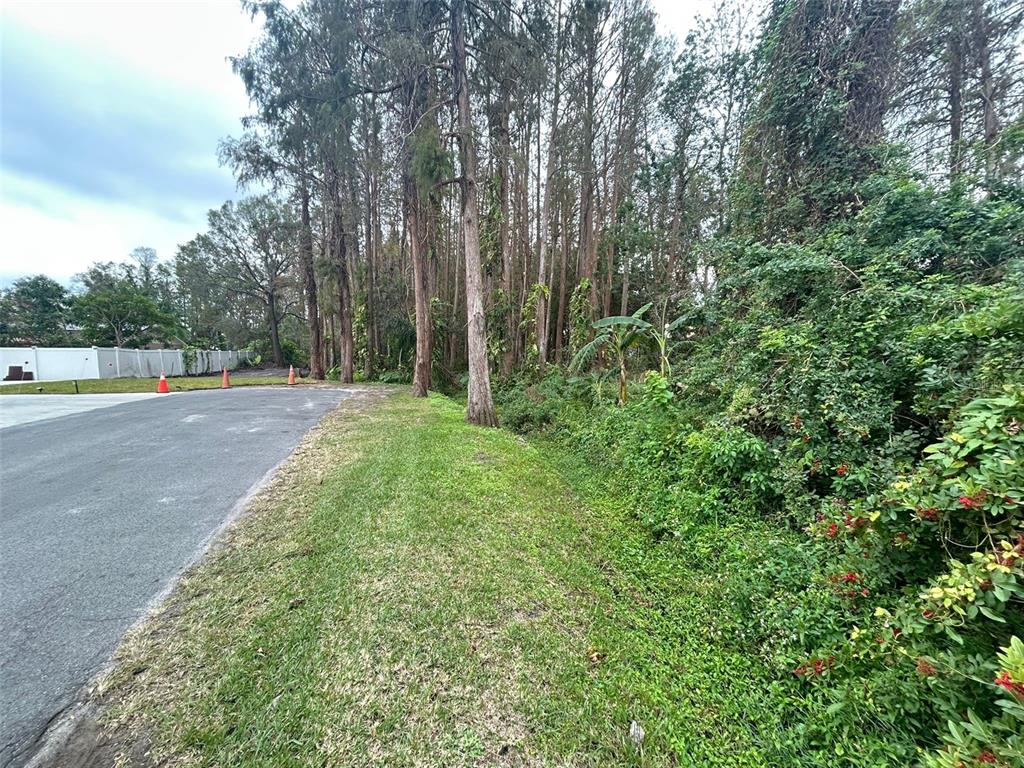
<point>419,211</point>
<point>504,232</point>
<point>955,55</point>
<point>421,290</point>
<point>275,337</point>
<point>622,378</point>
<point>316,344</point>
<point>370,246</point>
<point>624,298</point>
<point>341,264</point>
<point>523,184</point>
<point>544,223</point>
<point>589,197</point>
<point>990,120</point>
<point>480,408</point>
<point>373,237</point>
<point>560,318</point>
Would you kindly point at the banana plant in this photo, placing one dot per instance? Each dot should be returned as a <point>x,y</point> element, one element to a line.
<point>619,334</point>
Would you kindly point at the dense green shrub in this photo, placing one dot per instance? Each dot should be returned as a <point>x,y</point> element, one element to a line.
<point>840,448</point>
<point>291,352</point>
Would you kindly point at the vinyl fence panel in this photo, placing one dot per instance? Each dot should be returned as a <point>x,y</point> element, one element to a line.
<point>60,363</point>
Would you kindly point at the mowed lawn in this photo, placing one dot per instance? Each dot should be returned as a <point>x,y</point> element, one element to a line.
<point>103,386</point>
<point>412,590</point>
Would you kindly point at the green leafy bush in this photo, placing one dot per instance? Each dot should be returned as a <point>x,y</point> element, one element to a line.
<point>291,352</point>
<point>840,451</point>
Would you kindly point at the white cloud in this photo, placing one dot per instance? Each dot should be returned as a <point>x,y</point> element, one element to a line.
<point>677,17</point>
<point>183,42</point>
<point>57,213</point>
<point>83,80</point>
<point>72,232</point>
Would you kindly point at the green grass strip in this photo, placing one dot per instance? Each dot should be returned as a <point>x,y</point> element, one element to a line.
<point>412,590</point>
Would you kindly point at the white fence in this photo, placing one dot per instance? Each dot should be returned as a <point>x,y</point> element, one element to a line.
<point>59,363</point>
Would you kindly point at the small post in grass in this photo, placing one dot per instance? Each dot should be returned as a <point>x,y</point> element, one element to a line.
<point>76,387</point>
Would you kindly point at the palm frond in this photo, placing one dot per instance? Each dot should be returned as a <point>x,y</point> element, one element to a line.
<point>640,312</point>
<point>622,320</point>
<point>678,322</point>
<point>588,352</point>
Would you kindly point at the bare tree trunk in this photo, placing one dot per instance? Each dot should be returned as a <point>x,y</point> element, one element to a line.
<point>560,319</point>
<point>479,408</point>
<point>316,344</point>
<point>555,235</point>
<point>502,171</point>
<point>624,298</point>
<point>332,348</point>
<point>380,260</point>
<point>608,208</point>
<point>588,198</point>
<point>341,264</point>
<point>370,236</point>
<point>526,247</point>
<point>417,247</point>
<point>418,209</point>
<point>990,120</point>
<point>955,55</point>
<point>275,336</point>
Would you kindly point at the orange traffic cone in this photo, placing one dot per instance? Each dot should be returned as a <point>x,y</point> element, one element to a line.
<point>224,382</point>
<point>291,374</point>
<point>161,386</point>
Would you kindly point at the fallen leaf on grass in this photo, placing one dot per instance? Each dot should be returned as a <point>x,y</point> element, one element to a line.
<point>636,733</point>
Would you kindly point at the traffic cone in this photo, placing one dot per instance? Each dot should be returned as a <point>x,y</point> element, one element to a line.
<point>291,374</point>
<point>161,386</point>
<point>224,382</point>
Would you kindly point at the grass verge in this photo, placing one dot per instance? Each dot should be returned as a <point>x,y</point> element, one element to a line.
<point>412,590</point>
<point>104,386</point>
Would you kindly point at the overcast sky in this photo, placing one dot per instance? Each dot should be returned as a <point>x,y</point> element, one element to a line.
<point>110,114</point>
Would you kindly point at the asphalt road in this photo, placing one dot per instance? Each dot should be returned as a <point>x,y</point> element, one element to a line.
<point>23,409</point>
<point>101,510</point>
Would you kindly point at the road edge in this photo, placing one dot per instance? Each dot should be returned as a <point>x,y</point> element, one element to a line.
<point>83,710</point>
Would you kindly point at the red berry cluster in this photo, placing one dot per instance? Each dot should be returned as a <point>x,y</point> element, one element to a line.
<point>986,756</point>
<point>814,667</point>
<point>925,668</point>
<point>853,523</point>
<point>929,513</point>
<point>974,501</point>
<point>1003,680</point>
<point>850,578</point>
<point>850,522</point>
<point>843,469</point>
